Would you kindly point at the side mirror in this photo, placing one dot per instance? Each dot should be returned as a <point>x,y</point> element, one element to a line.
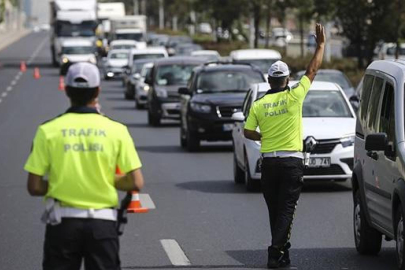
<point>238,117</point>
<point>354,99</point>
<point>148,79</point>
<point>184,91</point>
<point>137,76</point>
<point>376,142</point>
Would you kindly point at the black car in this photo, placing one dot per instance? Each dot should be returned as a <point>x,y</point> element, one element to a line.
<point>166,77</point>
<point>213,94</point>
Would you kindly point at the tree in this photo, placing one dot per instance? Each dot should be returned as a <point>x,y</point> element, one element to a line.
<point>305,10</point>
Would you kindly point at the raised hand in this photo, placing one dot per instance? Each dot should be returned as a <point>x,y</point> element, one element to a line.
<point>320,34</point>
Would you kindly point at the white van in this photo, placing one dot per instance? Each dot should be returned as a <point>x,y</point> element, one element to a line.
<point>262,58</point>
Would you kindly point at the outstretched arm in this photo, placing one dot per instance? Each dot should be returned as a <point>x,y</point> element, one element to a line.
<point>252,135</point>
<point>316,60</point>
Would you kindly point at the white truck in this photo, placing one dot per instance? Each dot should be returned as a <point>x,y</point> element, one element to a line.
<point>71,19</point>
<point>130,28</point>
<point>108,11</point>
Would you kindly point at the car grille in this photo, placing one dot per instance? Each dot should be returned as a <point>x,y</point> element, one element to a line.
<point>325,146</point>
<point>227,111</point>
<point>334,169</point>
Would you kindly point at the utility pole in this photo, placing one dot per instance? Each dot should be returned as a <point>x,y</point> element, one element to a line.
<point>161,15</point>
<point>328,50</point>
<point>251,32</point>
<point>136,7</point>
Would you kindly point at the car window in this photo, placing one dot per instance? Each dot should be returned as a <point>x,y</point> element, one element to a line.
<point>147,56</point>
<point>190,81</point>
<point>119,56</point>
<point>338,78</point>
<point>372,109</point>
<point>220,81</point>
<point>387,115</point>
<point>176,74</point>
<point>325,104</point>
<point>78,50</point>
<point>365,96</point>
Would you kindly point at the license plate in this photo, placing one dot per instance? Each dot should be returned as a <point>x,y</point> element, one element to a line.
<point>316,162</point>
<point>228,127</point>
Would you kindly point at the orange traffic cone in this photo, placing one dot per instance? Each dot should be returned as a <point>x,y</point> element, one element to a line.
<point>61,83</point>
<point>37,75</point>
<point>23,66</point>
<point>135,205</point>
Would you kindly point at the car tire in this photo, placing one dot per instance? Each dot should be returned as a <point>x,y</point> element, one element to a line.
<point>367,239</point>
<point>193,143</point>
<point>251,184</point>
<point>128,96</point>
<point>183,137</point>
<point>153,120</point>
<point>400,237</point>
<point>138,105</point>
<point>238,174</point>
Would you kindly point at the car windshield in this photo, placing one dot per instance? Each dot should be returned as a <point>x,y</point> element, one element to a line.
<point>323,104</point>
<point>137,67</point>
<point>221,81</point>
<point>147,56</point>
<point>338,78</point>
<point>85,29</point>
<point>123,47</point>
<point>145,71</point>
<point>119,56</point>
<point>130,36</point>
<point>177,74</point>
<point>262,64</point>
<point>78,50</point>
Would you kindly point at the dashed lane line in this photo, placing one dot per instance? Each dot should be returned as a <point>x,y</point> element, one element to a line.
<point>13,83</point>
<point>176,255</point>
<point>9,89</point>
<point>36,52</point>
<point>4,94</point>
<point>1,100</point>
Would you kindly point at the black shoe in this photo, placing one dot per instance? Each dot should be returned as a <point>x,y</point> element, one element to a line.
<point>275,257</point>
<point>285,260</point>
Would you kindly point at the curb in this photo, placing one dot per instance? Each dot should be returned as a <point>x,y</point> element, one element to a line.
<point>9,38</point>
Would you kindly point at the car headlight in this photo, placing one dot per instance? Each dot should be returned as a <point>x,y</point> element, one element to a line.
<point>201,108</point>
<point>146,88</point>
<point>347,141</point>
<point>93,60</point>
<point>161,92</point>
<point>65,60</point>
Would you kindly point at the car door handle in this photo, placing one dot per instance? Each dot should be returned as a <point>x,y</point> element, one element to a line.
<point>373,155</point>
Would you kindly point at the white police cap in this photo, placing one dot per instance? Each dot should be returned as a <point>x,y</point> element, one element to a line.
<point>279,69</point>
<point>83,75</point>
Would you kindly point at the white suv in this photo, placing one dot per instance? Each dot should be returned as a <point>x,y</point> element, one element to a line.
<point>327,116</point>
<point>379,166</point>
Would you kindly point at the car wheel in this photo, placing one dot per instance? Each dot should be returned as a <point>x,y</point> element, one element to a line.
<point>367,239</point>
<point>128,96</point>
<point>251,185</point>
<point>153,120</point>
<point>238,174</point>
<point>193,143</point>
<point>400,238</point>
<point>183,137</point>
<point>138,105</point>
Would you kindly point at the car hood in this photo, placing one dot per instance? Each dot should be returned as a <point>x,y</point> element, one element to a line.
<point>328,127</point>
<point>117,62</point>
<point>229,98</point>
<point>79,57</point>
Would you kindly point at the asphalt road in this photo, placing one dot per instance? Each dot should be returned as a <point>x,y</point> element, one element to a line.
<point>205,220</point>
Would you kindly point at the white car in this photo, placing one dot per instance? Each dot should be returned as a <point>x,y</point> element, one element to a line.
<point>123,44</point>
<point>210,55</point>
<point>327,116</point>
<point>76,50</point>
<point>142,88</point>
<point>262,58</point>
<point>387,51</point>
<point>115,63</point>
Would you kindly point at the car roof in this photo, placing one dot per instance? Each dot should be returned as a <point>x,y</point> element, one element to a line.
<point>255,54</point>
<point>315,86</point>
<point>178,60</point>
<point>123,42</point>
<point>205,52</point>
<point>225,67</point>
<point>150,50</point>
<point>395,68</point>
<point>128,31</point>
<point>142,61</point>
<point>118,51</point>
<point>77,42</point>
<point>320,71</point>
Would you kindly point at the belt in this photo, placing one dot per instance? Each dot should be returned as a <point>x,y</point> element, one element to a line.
<point>283,154</point>
<point>107,214</point>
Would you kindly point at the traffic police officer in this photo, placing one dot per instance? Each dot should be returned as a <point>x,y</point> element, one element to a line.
<point>79,152</point>
<point>279,116</point>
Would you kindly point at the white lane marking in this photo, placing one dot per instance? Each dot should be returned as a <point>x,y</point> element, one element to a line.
<point>14,82</point>
<point>36,52</point>
<point>20,73</point>
<point>9,89</point>
<point>4,94</point>
<point>17,77</point>
<point>175,253</point>
<point>1,100</point>
<point>146,201</point>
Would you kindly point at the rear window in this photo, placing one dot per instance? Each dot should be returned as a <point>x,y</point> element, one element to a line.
<point>176,74</point>
<point>325,104</point>
<point>147,56</point>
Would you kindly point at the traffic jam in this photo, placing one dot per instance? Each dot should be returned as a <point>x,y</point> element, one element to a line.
<point>241,132</point>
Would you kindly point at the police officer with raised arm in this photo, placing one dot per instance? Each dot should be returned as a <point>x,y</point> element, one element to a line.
<point>278,115</point>
<point>79,151</point>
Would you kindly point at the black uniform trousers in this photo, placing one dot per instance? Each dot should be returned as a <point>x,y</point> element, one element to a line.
<point>93,240</point>
<point>282,180</point>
